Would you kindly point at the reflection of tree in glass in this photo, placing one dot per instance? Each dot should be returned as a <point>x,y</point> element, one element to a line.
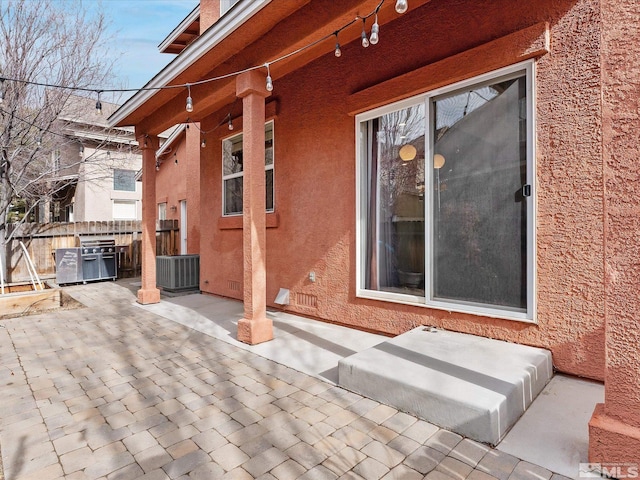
<point>450,110</point>
<point>232,154</point>
<point>399,128</point>
<point>401,189</point>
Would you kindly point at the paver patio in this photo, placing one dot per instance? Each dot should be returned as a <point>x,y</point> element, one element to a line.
<point>112,391</point>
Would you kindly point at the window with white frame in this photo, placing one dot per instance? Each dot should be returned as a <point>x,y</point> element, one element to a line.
<point>445,212</point>
<point>125,210</point>
<point>55,161</point>
<point>226,5</point>
<point>124,180</point>
<point>162,211</point>
<point>232,172</point>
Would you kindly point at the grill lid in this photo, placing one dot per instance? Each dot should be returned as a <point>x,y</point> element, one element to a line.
<point>96,242</point>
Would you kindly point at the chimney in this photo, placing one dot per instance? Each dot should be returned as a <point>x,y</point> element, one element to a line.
<point>209,13</point>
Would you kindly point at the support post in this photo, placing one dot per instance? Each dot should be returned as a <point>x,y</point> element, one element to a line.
<point>193,139</point>
<point>614,429</point>
<point>148,292</point>
<point>255,327</point>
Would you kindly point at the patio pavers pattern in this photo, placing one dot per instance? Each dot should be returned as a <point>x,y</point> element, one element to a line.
<point>112,391</point>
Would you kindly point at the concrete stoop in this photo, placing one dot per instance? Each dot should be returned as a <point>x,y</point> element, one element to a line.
<point>474,386</point>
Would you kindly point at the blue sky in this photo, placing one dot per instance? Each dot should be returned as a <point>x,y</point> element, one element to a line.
<point>139,26</point>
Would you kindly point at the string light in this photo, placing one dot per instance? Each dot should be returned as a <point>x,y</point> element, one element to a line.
<point>230,124</point>
<point>189,106</point>
<point>365,40</point>
<point>375,32</point>
<point>175,155</point>
<point>269,85</point>
<point>401,6</point>
<point>203,143</point>
<point>157,165</point>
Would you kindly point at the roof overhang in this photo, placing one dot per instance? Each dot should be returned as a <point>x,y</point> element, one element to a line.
<point>246,37</point>
<point>227,24</point>
<point>173,138</point>
<point>184,34</point>
<point>103,138</point>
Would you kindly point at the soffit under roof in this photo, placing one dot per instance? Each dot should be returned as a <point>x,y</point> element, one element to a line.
<point>276,30</point>
<point>183,35</point>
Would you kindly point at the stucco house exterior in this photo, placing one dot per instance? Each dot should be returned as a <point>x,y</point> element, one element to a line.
<point>178,186</point>
<point>92,168</point>
<point>472,167</point>
<point>109,159</point>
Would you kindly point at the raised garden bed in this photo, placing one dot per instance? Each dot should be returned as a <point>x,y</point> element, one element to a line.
<point>21,299</point>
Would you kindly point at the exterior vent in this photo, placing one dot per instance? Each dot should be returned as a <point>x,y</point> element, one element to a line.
<point>306,300</point>
<point>233,285</point>
<point>179,272</point>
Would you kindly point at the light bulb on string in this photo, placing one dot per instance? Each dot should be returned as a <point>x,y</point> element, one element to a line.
<point>189,105</point>
<point>375,32</point>
<point>203,143</point>
<point>401,6</point>
<point>337,52</point>
<point>230,124</point>
<point>365,40</point>
<point>269,85</point>
<point>39,140</point>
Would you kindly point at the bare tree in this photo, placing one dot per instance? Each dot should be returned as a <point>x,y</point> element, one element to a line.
<point>45,43</point>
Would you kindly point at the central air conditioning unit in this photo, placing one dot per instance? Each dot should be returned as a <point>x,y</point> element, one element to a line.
<point>177,273</point>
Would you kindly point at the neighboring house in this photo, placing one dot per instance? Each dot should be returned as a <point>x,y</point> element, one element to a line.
<point>473,170</point>
<point>94,166</point>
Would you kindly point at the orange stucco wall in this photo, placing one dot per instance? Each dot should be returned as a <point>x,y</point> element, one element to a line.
<point>614,430</point>
<point>171,180</point>
<point>181,181</point>
<point>315,179</point>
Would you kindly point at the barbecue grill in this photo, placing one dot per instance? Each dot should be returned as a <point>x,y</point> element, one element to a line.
<point>98,255</point>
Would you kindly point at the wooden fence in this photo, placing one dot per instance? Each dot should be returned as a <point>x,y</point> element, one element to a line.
<point>42,240</point>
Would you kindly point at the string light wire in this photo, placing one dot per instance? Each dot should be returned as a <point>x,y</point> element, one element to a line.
<point>207,80</point>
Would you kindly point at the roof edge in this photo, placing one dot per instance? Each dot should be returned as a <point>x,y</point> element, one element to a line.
<point>228,23</point>
<point>188,20</point>
<point>172,138</point>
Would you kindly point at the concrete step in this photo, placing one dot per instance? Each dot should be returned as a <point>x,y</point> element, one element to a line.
<point>475,386</point>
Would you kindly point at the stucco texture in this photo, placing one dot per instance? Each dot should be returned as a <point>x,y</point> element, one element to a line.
<point>614,430</point>
<point>314,141</point>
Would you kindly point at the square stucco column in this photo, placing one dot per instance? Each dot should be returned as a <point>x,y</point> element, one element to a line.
<point>255,327</point>
<point>614,429</point>
<point>193,189</point>
<point>148,293</point>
